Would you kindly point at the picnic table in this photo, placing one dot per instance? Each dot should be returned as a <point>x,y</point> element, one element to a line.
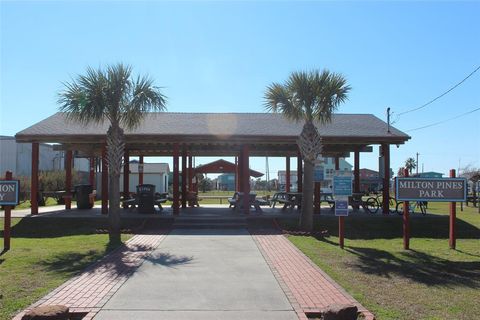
<point>236,202</point>
<point>288,199</point>
<point>145,199</point>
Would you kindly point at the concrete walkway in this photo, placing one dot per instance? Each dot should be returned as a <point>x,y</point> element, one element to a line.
<point>201,274</point>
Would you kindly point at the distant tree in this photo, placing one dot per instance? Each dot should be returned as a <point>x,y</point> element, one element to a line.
<point>308,97</point>
<point>400,172</point>
<point>410,164</point>
<point>205,184</point>
<point>261,184</point>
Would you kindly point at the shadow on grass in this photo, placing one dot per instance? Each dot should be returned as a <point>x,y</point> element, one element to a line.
<point>391,227</point>
<point>417,266</point>
<point>52,227</point>
<point>123,260</point>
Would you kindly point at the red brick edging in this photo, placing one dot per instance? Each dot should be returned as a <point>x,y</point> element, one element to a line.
<point>307,287</point>
<point>90,290</point>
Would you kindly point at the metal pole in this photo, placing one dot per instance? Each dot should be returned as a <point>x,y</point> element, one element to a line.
<point>453,213</point>
<point>406,220</point>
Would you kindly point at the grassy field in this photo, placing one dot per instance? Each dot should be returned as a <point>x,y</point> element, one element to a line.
<point>430,281</point>
<point>45,253</point>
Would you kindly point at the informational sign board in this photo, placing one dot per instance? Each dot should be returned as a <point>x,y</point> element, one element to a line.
<point>9,190</point>
<point>342,185</point>
<point>341,206</point>
<point>431,189</point>
<point>318,174</point>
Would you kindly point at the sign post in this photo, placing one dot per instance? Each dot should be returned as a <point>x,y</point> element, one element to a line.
<point>9,190</point>
<point>451,190</point>
<point>406,220</point>
<point>452,241</point>
<point>342,189</point>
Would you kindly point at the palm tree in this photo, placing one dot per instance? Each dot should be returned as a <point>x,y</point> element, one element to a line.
<point>410,164</point>
<point>111,95</point>
<point>309,97</point>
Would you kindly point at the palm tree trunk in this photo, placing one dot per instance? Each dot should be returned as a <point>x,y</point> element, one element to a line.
<point>306,216</point>
<point>310,145</point>
<point>115,148</point>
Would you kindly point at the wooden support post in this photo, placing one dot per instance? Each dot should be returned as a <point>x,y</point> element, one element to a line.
<point>184,177</point>
<point>240,172</point>
<point>316,197</point>
<point>341,220</point>
<point>386,179</point>
<point>140,170</point>
<point>356,171</point>
<point>453,213</point>
<point>237,180</point>
<point>246,179</point>
<point>341,231</point>
<point>190,173</point>
<point>126,176</point>
<point>299,173</point>
<point>104,180</point>
<point>7,219</point>
<point>91,173</point>
<point>34,180</point>
<point>406,219</point>
<point>176,179</point>
<point>287,174</point>
<point>68,179</point>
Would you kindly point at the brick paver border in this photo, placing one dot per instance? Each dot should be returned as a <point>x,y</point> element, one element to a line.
<point>308,288</point>
<point>90,290</point>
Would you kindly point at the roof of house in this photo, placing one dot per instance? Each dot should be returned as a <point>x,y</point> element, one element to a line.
<point>223,166</point>
<point>254,128</point>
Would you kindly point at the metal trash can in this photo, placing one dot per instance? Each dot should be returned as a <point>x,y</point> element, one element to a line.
<point>82,192</point>
<point>145,198</point>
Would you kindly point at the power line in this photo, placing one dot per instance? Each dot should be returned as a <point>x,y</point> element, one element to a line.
<point>443,121</point>
<point>438,97</point>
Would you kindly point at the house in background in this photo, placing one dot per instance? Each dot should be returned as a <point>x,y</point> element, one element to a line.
<point>328,165</point>
<point>430,174</point>
<point>153,173</point>
<point>226,182</point>
<point>369,180</point>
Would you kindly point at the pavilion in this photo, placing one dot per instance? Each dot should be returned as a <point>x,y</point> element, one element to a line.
<point>186,135</point>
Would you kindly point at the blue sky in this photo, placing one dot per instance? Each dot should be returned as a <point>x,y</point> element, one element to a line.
<point>220,56</point>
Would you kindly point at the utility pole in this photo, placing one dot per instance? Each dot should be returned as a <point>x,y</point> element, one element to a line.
<point>388,119</point>
<point>417,163</point>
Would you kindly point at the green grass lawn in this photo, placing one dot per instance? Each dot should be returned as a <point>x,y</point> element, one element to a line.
<point>430,281</point>
<point>44,253</point>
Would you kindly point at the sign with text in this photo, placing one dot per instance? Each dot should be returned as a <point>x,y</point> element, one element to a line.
<point>342,185</point>
<point>341,206</point>
<point>9,190</point>
<point>318,175</point>
<point>431,189</point>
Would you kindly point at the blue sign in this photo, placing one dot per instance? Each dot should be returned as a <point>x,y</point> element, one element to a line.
<point>318,174</point>
<point>342,185</point>
<point>341,207</point>
<point>9,190</point>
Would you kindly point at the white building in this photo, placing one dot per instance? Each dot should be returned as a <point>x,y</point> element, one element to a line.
<point>17,157</point>
<point>153,173</point>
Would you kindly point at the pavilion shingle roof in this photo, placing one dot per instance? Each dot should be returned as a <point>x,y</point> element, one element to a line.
<point>219,124</point>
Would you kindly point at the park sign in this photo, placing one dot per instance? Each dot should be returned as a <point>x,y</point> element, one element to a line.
<point>9,190</point>
<point>431,189</point>
<point>342,185</point>
<point>318,175</point>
